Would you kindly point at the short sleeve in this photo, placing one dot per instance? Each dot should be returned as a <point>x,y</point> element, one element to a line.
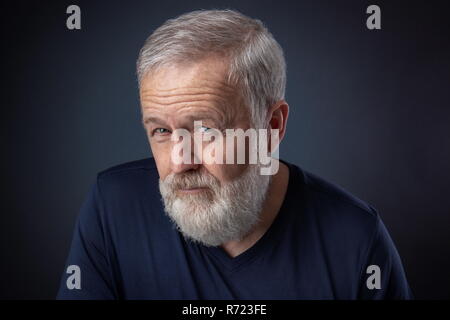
<point>88,256</point>
<point>383,276</point>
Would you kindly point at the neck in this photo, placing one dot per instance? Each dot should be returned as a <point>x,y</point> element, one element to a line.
<point>274,200</point>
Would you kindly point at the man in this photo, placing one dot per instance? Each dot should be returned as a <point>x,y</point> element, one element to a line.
<point>222,230</point>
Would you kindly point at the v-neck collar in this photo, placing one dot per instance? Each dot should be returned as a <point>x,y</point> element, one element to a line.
<point>267,240</point>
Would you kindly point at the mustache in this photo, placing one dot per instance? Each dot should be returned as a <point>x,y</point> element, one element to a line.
<point>190,180</point>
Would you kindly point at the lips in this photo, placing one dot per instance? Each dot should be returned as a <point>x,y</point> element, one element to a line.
<point>192,190</point>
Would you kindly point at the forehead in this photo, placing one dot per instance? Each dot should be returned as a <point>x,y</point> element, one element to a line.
<point>187,74</point>
<point>190,87</point>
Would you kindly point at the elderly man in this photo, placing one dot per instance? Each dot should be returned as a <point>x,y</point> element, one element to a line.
<point>223,230</point>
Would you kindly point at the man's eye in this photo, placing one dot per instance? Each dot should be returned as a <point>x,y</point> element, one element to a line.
<point>204,129</point>
<point>160,131</point>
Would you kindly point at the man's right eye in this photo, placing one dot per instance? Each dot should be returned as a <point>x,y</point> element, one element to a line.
<point>160,131</point>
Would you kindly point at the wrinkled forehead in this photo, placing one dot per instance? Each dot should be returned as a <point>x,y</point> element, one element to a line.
<point>194,87</point>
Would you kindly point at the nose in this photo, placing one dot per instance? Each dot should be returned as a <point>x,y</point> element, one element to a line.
<point>183,167</point>
<point>184,159</point>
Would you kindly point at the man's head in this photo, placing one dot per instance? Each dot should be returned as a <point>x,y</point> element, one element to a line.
<point>226,70</point>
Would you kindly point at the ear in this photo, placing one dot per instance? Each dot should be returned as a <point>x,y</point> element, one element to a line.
<point>278,116</point>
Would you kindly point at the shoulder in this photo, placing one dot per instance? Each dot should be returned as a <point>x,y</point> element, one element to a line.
<point>129,180</point>
<point>350,234</point>
<point>129,172</point>
<point>336,212</point>
<point>147,164</point>
<point>332,194</point>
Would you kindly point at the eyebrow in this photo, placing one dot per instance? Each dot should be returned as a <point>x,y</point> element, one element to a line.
<point>154,120</point>
<point>190,119</point>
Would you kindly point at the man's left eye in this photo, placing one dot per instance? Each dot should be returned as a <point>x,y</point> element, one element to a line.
<point>204,129</point>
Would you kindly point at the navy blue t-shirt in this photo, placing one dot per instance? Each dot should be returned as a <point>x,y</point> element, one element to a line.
<point>318,247</point>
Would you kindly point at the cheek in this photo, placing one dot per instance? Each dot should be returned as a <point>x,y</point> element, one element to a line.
<point>238,153</point>
<point>161,154</point>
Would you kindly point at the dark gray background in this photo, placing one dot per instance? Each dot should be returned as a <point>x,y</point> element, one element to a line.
<point>370,111</point>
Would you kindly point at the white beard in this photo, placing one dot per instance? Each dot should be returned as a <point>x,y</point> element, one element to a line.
<point>220,214</point>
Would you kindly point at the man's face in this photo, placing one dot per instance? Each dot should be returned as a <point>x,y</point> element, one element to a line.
<point>210,203</point>
<point>175,96</point>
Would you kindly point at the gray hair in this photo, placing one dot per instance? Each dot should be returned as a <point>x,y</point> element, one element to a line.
<point>257,65</point>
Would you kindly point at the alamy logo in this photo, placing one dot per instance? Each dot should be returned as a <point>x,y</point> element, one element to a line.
<point>229,146</point>
<point>374,280</point>
<point>374,20</point>
<point>74,280</point>
<point>74,20</point>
